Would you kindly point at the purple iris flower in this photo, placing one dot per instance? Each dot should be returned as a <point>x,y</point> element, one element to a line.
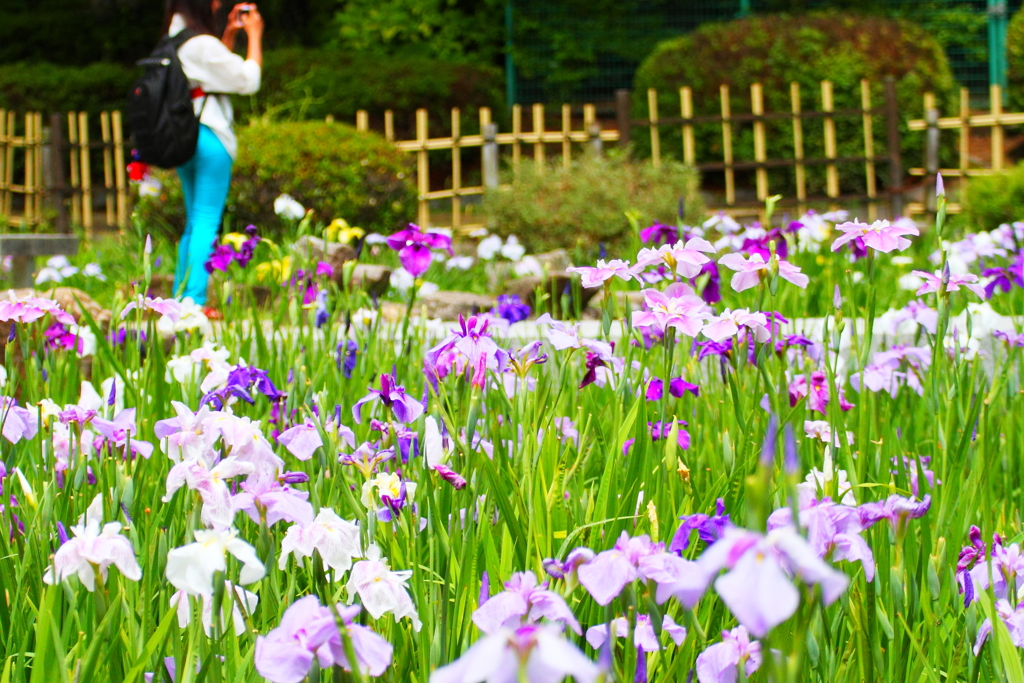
<point>662,430</point>
<point>345,357</point>
<point>712,292</point>
<point>895,509</point>
<point>523,598</point>
<point>539,651</point>
<point>709,528</point>
<point>713,348</point>
<point>762,245</point>
<point>659,234</point>
<point>220,259</point>
<point>457,481</point>
<point>413,246</point>
<point>241,382</point>
<point>677,387</point>
<point>121,431</point>
<point>405,408</point>
<point>720,662</point>
<point>473,340</point>
<point>511,308</point>
<point>1014,340</point>
<point>607,574</point>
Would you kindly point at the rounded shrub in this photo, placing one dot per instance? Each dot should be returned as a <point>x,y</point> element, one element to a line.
<point>778,49</point>
<point>585,206</point>
<point>52,88</point>
<point>990,201</point>
<point>329,167</point>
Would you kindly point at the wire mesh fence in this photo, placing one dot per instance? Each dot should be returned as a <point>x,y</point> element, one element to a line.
<point>564,54</point>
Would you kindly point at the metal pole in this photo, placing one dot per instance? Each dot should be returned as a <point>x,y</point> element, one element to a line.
<point>623,116</point>
<point>510,64</point>
<point>490,157</point>
<point>997,43</point>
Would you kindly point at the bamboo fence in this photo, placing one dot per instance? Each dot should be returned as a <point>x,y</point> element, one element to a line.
<point>757,118</point>
<point>995,120</point>
<point>57,162</point>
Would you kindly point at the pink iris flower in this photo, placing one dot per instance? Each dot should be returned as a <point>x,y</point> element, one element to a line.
<point>932,282</point>
<point>881,235</point>
<point>598,275</point>
<point>729,323</point>
<point>686,259</point>
<point>677,308</point>
<point>748,271</point>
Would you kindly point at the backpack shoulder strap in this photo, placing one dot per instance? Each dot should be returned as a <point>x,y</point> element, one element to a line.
<point>180,38</point>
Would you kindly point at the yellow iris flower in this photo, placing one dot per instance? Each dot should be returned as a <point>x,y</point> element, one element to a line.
<point>235,239</point>
<point>340,231</point>
<point>280,270</point>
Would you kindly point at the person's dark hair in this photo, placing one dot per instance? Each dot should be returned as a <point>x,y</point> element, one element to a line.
<point>198,15</point>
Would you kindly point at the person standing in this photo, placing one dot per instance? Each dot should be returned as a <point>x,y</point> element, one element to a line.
<point>213,71</point>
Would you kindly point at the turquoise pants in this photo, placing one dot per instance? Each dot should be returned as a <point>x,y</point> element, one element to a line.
<point>205,179</point>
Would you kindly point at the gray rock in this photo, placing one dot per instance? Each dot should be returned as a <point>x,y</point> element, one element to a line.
<point>375,280</point>
<point>70,299</point>
<point>500,272</point>
<point>555,286</point>
<point>450,305</point>
<point>315,249</point>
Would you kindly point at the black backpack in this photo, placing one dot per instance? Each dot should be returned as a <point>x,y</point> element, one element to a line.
<point>165,128</point>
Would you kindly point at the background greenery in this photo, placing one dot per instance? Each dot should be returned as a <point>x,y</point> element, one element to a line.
<point>586,204</point>
<point>331,168</point>
<point>775,50</point>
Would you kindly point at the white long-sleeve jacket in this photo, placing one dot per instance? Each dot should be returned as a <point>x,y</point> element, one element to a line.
<point>210,65</point>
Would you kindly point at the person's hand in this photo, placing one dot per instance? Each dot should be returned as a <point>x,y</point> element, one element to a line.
<point>234,20</point>
<point>252,22</point>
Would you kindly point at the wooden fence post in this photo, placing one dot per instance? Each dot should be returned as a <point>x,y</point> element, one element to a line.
<point>686,109</point>
<point>998,147</point>
<point>652,116</point>
<point>760,144</point>
<point>28,139</point>
<point>422,169</point>
<point>456,169</point>
<point>490,155</point>
<point>37,125</point>
<point>389,125</point>
<point>86,178</point>
<point>362,121</point>
<point>831,170</point>
<point>517,134</point>
<point>76,169</point>
<point>58,188</point>
<point>892,124</point>
<point>798,146</point>
<point>108,169</point>
<point>120,174</point>
<point>538,131</point>
<point>623,117</point>
<point>566,139</point>
<point>3,163</point>
<point>869,149</point>
<point>730,174</point>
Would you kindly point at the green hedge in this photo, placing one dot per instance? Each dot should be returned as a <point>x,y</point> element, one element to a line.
<point>298,84</point>
<point>51,88</point>
<point>1015,61</point>
<point>301,83</point>
<point>990,201</point>
<point>331,168</point>
<point>585,205</point>
<point>775,50</point>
